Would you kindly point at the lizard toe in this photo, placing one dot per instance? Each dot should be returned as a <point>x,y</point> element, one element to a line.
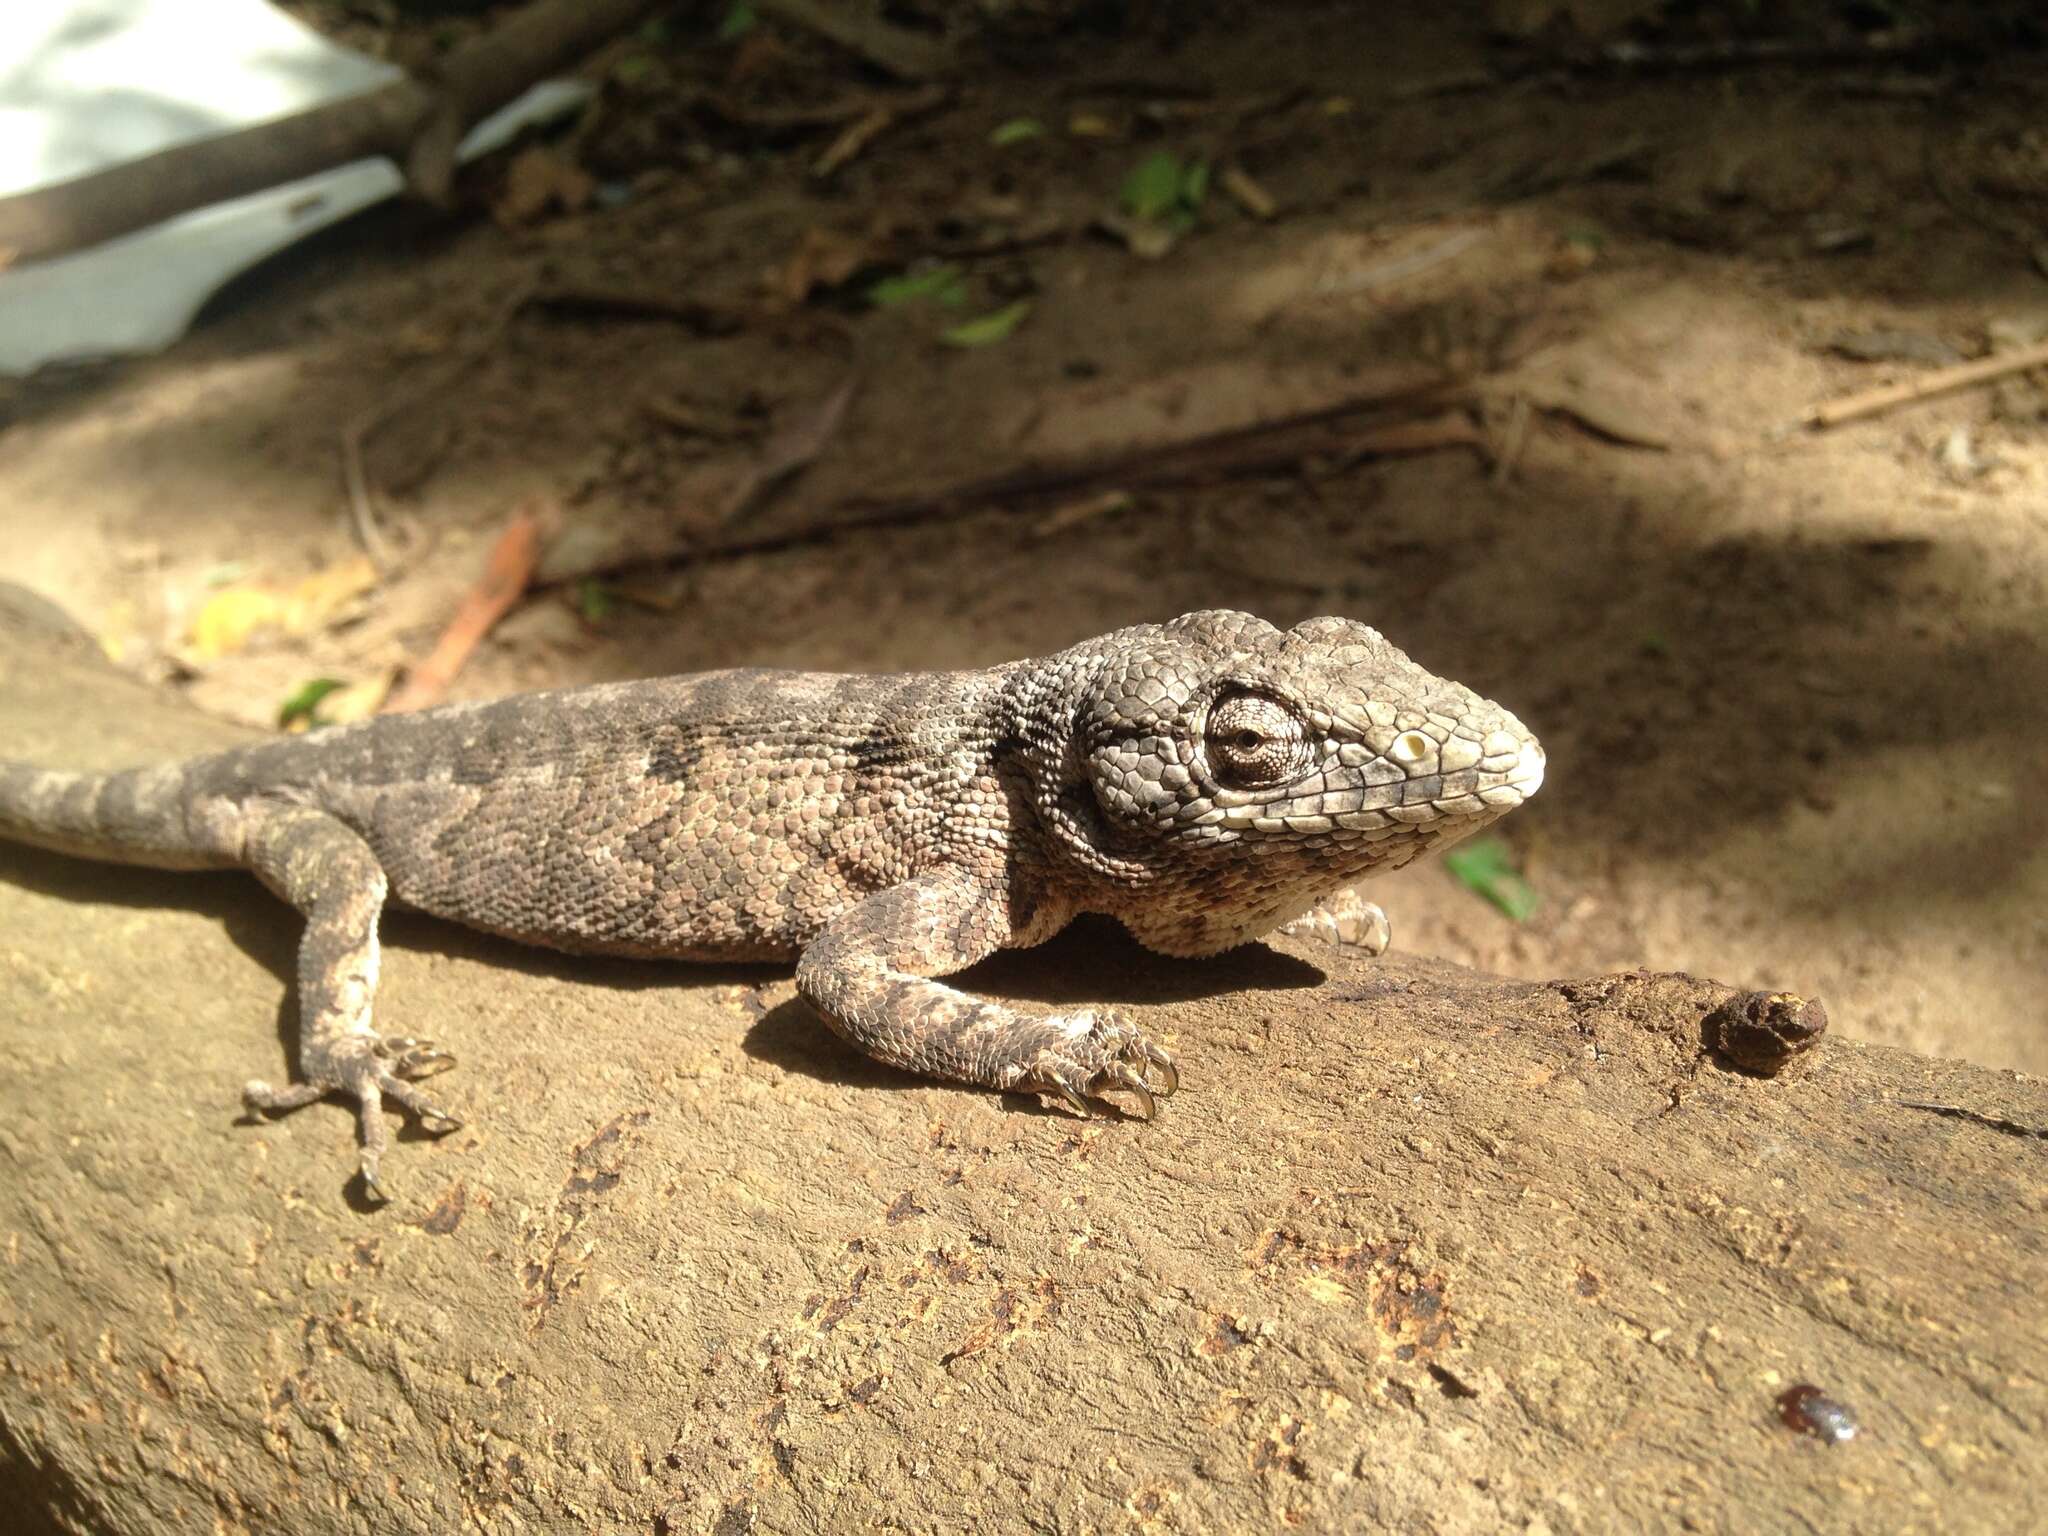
<point>1120,1076</point>
<point>1057,1084</point>
<point>410,1057</point>
<point>1148,1058</point>
<point>257,1095</point>
<point>430,1115</point>
<point>1102,1053</point>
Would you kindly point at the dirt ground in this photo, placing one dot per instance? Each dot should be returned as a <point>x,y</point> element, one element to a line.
<point>1790,680</point>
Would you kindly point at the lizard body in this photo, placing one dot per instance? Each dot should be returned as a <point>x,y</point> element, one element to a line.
<point>1204,781</point>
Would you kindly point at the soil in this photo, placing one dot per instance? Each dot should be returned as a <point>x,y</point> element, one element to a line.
<point>1790,680</point>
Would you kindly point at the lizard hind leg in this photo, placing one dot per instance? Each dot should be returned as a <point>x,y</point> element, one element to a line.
<point>332,877</point>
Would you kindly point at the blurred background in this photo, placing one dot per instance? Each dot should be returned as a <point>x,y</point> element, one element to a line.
<point>935,334</point>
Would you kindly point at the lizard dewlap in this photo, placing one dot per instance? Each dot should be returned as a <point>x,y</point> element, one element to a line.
<point>1204,781</point>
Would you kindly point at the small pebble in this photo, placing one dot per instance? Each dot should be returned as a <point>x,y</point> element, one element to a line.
<point>1810,1411</point>
<point>1762,1031</point>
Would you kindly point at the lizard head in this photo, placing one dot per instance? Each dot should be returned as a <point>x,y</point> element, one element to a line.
<point>1234,773</point>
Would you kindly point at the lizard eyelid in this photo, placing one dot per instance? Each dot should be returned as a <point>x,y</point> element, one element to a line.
<point>1252,739</point>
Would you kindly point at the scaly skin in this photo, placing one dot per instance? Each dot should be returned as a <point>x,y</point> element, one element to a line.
<point>1204,781</point>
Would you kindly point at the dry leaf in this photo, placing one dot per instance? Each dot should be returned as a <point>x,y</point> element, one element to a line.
<point>326,594</point>
<point>539,182</point>
<point>824,258</point>
<point>233,616</point>
<point>1247,193</point>
<point>229,618</point>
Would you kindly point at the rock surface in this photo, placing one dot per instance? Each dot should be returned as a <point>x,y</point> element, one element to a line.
<point>1416,1248</point>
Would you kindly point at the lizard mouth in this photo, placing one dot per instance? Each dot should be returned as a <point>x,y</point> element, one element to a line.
<point>1528,774</point>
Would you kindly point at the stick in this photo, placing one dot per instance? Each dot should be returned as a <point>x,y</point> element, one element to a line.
<point>864,130</point>
<point>415,122</point>
<point>505,577</point>
<point>1237,451</point>
<point>892,49</point>
<point>1976,1116</point>
<point>1832,413</point>
<point>356,432</point>
<point>705,319</point>
<point>721,496</point>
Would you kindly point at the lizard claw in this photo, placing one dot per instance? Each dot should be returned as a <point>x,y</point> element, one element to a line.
<point>1097,1053</point>
<point>1128,1079</point>
<point>370,1072</point>
<point>414,1058</point>
<point>1152,1056</point>
<point>1075,1102</point>
<point>1344,917</point>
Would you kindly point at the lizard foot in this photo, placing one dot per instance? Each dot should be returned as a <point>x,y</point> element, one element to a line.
<point>1101,1054</point>
<point>368,1069</point>
<point>1347,918</point>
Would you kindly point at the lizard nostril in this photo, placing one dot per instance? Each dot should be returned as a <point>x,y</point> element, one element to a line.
<point>1409,747</point>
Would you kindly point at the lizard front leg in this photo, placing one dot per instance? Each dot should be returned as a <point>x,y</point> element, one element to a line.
<point>330,874</point>
<point>1345,918</point>
<point>869,972</point>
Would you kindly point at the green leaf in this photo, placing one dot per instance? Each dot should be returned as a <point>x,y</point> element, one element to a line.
<point>1485,867</point>
<point>1016,131</point>
<point>739,21</point>
<point>987,330</point>
<point>595,600</point>
<point>1194,184</point>
<point>1153,188</point>
<point>304,703</point>
<point>942,282</point>
<point>634,68</point>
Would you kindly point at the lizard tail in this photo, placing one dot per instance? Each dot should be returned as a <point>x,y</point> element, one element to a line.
<point>136,817</point>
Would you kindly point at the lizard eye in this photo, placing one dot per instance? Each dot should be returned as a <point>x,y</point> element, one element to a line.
<point>1251,740</point>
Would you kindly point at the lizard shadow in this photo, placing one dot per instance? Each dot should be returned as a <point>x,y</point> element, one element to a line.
<point>1093,962</point>
<point>254,921</point>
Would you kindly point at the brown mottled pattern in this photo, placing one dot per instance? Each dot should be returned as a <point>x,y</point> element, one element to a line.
<point>1205,781</point>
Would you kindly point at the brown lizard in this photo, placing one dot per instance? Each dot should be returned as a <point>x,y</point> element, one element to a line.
<point>1205,781</point>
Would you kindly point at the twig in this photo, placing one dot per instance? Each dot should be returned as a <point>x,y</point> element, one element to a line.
<point>1424,434</point>
<point>720,495</point>
<point>1633,58</point>
<point>1273,445</point>
<point>416,122</point>
<point>362,501</point>
<point>789,449</point>
<point>1398,267</point>
<point>1248,194</point>
<point>871,125</point>
<point>892,49</point>
<point>1905,46</point>
<point>1831,413</point>
<point>638,304</point>
<point>1992,1122</point>
<point>506,574</point>
<point>362,510</point>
